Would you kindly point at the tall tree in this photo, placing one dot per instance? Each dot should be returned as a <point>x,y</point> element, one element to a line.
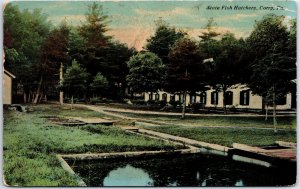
<point>114,67</point>
<point>227,67</point>
<point>99,84</point>
<point>208,41</point>
<point>24,33</point>
<point>164,38</point>
<point>54,54</point>
<point>146,72</point>
<point>93,32</point>
<point>75,80</point>
<point>186,71</point>
<point>274,66</point>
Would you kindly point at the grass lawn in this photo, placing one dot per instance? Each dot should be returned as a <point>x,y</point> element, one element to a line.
<point>30,143</point>
<point>288,122</point>
<point>228,136</point>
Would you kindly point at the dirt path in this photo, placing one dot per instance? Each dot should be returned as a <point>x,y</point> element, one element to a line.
<point>121,110</point>
<point>146,122</point>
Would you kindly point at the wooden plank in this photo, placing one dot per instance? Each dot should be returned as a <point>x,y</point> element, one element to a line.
<point>67,168</point>
<point>247,148</point>
<point>288,154</point>
<point>93,120</point>
<point>286,144</point>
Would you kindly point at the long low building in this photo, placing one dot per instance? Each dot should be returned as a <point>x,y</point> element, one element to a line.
<point>238,96</point>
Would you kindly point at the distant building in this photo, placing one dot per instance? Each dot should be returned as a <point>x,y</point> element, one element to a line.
<point>238,96</point>
<point>7,87</point>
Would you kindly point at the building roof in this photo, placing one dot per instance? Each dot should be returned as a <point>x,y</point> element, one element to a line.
<point>9,74</point>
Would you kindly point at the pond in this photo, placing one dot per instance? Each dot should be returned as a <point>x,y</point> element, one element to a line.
<point>184,170</point>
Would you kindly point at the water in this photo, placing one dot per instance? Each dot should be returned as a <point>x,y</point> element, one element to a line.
<point>185,170</point>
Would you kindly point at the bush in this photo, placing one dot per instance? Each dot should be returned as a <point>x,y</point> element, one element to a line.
<point>196,106</point>
<point>232,108</point>
<point>162,103</point>
<point>151,102</point>
<point>174,103</point>
<point>93,101</point>
<point>139,102</point>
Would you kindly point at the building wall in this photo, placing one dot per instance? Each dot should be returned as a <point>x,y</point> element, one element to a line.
<point>255,101</point>
<point>7,89</point>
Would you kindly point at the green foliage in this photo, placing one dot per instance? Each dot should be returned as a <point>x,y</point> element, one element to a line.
<point>163,39</point>
<point>146,72</point>
<point>75,79</point>
<point>93,30</point>
<point>227,69</point>
<point>228,136</point>
<point>288,123</point>
<point>274,62</point>
<point>208,42</point>
<point>186,71</point>
<point>99,84</point>
<point>24,33</point>
<point>30,144</point>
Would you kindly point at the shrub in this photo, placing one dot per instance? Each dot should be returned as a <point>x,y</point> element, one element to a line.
<point>196,106</point>
<point>93,101</point>
<point>151,102</point>
<point>232,108</point>
<point>139,102</point>
<point>162,103</point>
<point>174,103</point>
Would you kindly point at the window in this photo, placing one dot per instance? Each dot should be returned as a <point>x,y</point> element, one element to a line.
<point>203,98</point>
<point>164,97</point>
<point>181,98</point>
<point>156,96</point>
<point>214,98</point>
<point>150,96</point>
<point>172,98</point>
<point>228,97</point>
<point>281,100</point>
<point>192,98</point>
<point>244,97</point>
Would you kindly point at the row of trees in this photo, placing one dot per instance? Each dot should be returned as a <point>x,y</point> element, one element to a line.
<point>96,64</point>
<point>265,61</point>
<point>35,50</point>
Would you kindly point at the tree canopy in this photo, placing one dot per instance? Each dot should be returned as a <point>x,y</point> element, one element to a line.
<point>146,72</point>
<point>273,66</point>
<point>164,38</point>
<point>75,80</point>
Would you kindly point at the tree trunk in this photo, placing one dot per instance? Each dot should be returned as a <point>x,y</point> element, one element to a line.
<point>41,97</point>
<point>38,90</point>
<point>184,106</point>
<point>224,100</point>
<point>72,101</point>
<point>274,112</point>
<point>61,93</point>
<point>29,97</point>
<point>266,118</point>
<point>25,97</point>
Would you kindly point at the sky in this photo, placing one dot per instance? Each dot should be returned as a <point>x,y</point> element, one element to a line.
<point>132,22</point>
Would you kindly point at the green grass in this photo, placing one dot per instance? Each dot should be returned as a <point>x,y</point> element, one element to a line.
<point>31,142</point>
<point>228,136</point>
<point>288,122</point>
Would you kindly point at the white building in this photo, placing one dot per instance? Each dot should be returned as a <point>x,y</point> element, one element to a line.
<point>7,87</point>
<point>238,96</point>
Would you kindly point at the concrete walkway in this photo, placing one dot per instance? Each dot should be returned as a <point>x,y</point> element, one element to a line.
<point>185,140</point>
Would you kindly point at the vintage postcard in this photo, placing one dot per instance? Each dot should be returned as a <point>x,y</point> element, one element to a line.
<point>149,93</point>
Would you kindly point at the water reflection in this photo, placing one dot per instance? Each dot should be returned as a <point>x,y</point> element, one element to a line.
<point>187,170</point>
<point>128,176</point>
